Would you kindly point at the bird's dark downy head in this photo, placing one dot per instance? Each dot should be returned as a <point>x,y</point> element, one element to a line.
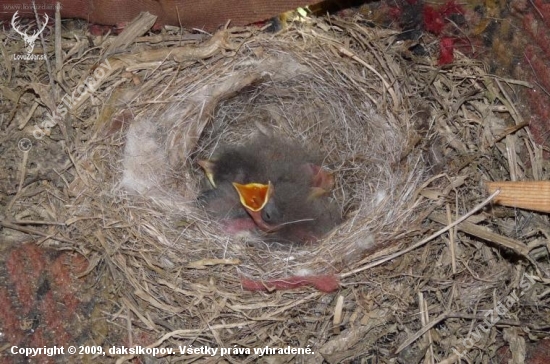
<point>271,214</point>
<point>230,166</point>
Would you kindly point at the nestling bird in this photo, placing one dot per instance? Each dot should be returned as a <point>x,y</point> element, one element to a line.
<point>222,203</point>
<point>273,185</point>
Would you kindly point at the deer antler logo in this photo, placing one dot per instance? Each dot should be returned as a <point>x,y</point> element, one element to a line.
<point>29,39</point>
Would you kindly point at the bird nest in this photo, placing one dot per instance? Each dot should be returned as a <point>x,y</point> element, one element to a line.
<point>409,144</point>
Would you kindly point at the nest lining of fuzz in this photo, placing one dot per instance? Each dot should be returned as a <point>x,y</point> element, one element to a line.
<point>408,142</point>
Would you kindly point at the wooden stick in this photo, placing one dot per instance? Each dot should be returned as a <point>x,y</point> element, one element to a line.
<point>530,195</point>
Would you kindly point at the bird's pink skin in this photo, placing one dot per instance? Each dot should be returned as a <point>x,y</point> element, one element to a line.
<point>236,226</point>
<point>324,283</point>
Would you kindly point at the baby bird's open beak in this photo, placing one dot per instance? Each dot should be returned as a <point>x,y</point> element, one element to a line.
<point>322,181</point>
<point>254,197</point>
<point>208,167</point>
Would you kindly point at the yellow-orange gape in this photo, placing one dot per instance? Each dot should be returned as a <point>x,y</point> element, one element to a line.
<point>272,186</point>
